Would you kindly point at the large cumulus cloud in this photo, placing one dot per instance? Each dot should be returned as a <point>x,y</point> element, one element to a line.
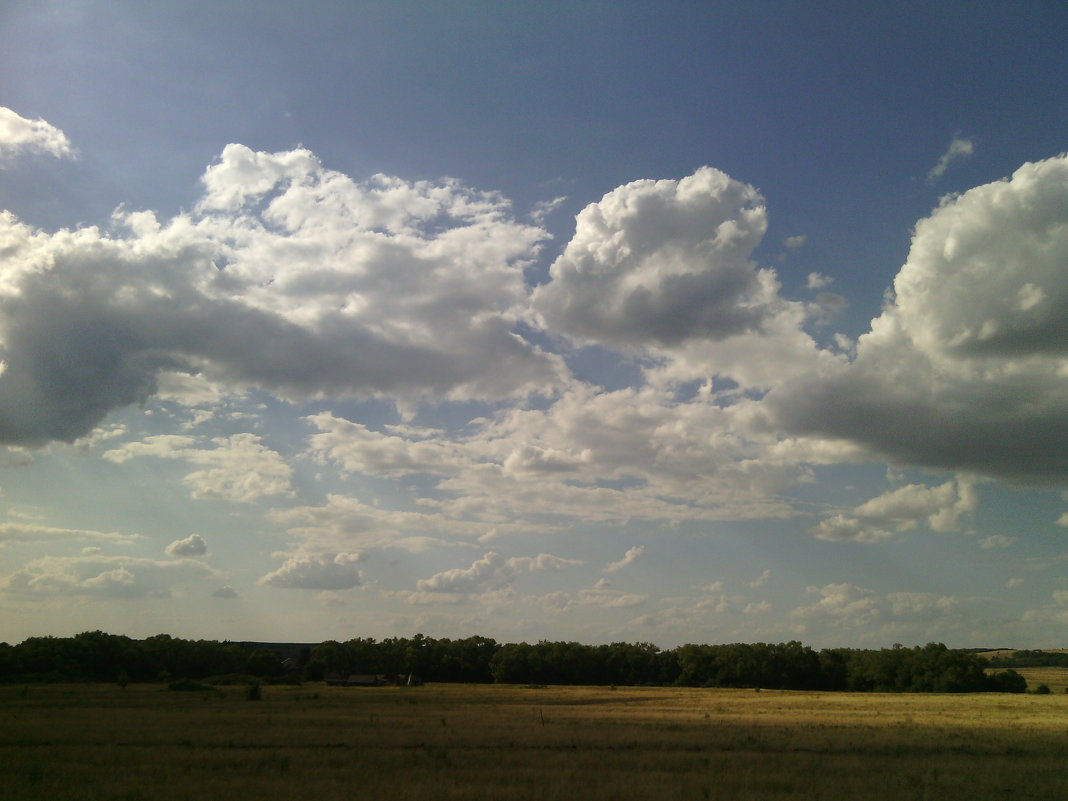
<point>287,276</point>
<point>967,367</point>
<point>660,262</point>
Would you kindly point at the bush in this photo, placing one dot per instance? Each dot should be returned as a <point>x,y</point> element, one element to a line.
<point>1042,689</point>
<point>253,693</point>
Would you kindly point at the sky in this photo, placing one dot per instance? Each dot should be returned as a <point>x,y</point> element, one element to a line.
<point>651,322</point>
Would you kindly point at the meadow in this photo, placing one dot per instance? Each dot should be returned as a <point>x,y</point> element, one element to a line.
<point>495,743</point>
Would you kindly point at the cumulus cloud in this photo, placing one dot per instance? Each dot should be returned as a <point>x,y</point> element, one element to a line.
<point>629,558</point>
<point>317,572</point>
<point>964,369</point>
<point>19,135</point>
<point>226,591</point>
<point>30,532</point>
<point>958,148</point>
<point>661,262</point>
<point>110,576</point>
<point>357,449</point>
<point>903,509</point>
<point>238,468</point>
<point>287,277</point>
<point>193,545</point>
<point>491,572</point>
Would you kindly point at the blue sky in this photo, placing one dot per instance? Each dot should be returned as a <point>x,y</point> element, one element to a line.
<point>658,322</point>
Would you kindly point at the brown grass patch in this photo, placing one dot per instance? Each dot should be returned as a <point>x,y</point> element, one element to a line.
<point>90,743</point>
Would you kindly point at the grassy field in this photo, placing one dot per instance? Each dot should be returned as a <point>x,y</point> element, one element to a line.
<point>441,742</point>
<point>1056,678</point>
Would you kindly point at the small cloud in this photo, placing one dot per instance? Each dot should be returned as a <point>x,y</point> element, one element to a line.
<point>543,208</point>
<point>1063,520</point>
<point>760,580</point>
<point>18,134</point>
<point>1014,582</point>
<point>958,148</point>
<point>794,242</point>
<point>715,586</point>
<point>333,599</point>
<point>831,301</point>
<point>818,281</point>
<point>491,572</point>
<point>317,572</point>
<point>226,592</point>
<point>631,555</point>
<point>996,541</point>
<point>92,550</point>
<point>193,545</point>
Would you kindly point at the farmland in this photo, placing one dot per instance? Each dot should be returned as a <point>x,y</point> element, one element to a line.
<point>145,743</point>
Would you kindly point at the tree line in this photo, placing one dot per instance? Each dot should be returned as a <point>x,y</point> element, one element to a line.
<point>1028,659</point>
<point>100,657</point>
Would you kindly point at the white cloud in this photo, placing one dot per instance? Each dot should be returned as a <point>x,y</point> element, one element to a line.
<point>238,468</point>
<point>760,580</point>
<point>629,558</point>
<point>714,587</point>
<point>29,532</point>
<point>996,541</point>
<point>964,369</point>
<point>491,572</point>
<point>848,609</point>
<point>287,277</point>
<point>903,509</point>
<point>604,597</point>
<point>193,545</point>
<point>226,591</point>
<point>818,281</point>
<point>1063,520</point>
<point>958,148</point>
<point>795,242</point>
<point>317,572</point>
<point>662,262</point>
<point>114,576</point>
<point>357,449</point>
<point>345,523</point>
<point>18,135</point>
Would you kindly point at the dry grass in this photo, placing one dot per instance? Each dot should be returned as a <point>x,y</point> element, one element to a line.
<point>1056,678</point>
<point>90,743</point>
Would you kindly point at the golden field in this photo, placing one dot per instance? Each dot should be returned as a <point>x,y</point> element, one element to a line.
<point>495,743</point>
